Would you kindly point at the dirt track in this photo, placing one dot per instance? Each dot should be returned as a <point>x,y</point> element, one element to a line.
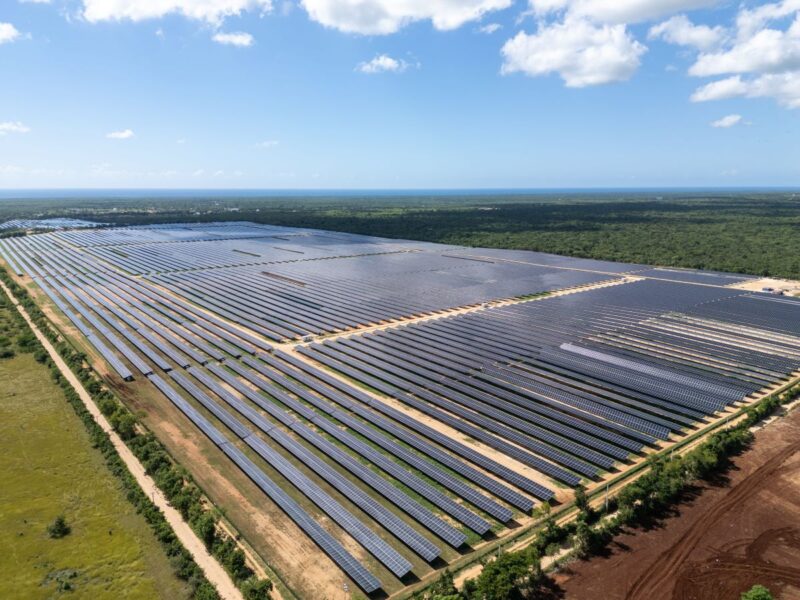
<point>743,531</point>
<point>212,569</point>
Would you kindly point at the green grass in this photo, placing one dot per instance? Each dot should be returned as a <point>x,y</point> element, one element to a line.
<point>48,467</point>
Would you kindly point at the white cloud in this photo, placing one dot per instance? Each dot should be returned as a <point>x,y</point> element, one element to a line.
<point>720,90</point>
<point>8,33</point>
<point>588,42</point>
<point>13,127</point>
<point>383,63</point>
<point>125,134</point>
<point>762,60</point>
<point>581,52</point>
<point>681,31</point>
<point>727,121</point>
<point>749,21</point>
<point>211,11</point>
<point>380,17</point>
<point>235,38</point>
<point>618,11</point>
<point>783,87</point>
<point>267,144</point>
<point>768,50</point>
<point>490,28</point>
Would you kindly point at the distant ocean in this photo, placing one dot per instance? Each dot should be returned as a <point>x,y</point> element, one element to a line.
<point>44,194</point>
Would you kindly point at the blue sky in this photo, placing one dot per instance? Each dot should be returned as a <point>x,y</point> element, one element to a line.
<point>399,93</point>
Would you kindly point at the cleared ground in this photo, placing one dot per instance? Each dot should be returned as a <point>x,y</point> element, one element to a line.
<point>47,468</point>
<point>741,530</point>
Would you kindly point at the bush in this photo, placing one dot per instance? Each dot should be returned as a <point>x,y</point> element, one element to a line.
<point>27,342</point>
<point>58,528</point>
<point>511,576</point>
<point>256,589</point>
<point>125,424</point>
<point>757,592</point>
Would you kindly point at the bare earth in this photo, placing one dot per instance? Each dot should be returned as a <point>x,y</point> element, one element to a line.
<point>212,569</point>
<point>734,534</point>
<point>787,286</point>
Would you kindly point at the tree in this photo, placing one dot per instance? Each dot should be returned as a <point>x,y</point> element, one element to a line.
<point>58,528</point>
<point>256,589</point>
<point>206,528</point>
<point>511,576</point>
<point>125,424</point>
<point>581,501</point>
<point>583,538</point>
<point>757,592</point>
<point>443,588</point>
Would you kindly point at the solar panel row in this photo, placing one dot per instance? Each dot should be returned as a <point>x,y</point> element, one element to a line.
<point>563,388</point>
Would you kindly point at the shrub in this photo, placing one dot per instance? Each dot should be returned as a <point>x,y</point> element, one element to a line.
<point>58,528</point>
<point>757,592</point>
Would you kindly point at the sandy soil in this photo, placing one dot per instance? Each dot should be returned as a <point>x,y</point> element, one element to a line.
<point>788,286</point>
<point>733,533</point>
<point>212,569</point>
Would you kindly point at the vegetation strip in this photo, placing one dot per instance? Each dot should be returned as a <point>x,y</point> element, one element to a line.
<point>182,493</point>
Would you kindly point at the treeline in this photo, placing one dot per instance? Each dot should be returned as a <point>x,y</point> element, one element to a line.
<point>15,336</point>
<point>182,493</point>
<point>519,576</point>
<point>12,233</point>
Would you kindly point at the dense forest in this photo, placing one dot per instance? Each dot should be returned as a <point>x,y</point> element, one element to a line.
<point>756,233</point>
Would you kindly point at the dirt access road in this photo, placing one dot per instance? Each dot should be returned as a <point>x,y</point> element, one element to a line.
<point>733,534</point>
<point>218,577</point>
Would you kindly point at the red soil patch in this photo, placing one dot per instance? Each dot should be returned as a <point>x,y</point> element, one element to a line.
<point>732,535</point>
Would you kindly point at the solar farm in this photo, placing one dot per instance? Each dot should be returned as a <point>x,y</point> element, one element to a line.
<point>380,409</point>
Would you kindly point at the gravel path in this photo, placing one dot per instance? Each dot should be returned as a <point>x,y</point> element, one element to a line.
<point>218,577</point>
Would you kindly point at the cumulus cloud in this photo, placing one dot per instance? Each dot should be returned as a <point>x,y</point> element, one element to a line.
<point>8,33</point>
<point>13,127</point>
<point>587,42</point>
<point>768,50</point>
<point>581,52</point>
<point>762,59</point>
<point>124,134</point>
<point>383,63</point>
<point>783,87</point>
<point>617,11</point>
<point>381,17</point>
<point>235,38</point>
<point>727,121</point>
<point>681,31</point>
<point>720,90</point>
<point>210,11</point>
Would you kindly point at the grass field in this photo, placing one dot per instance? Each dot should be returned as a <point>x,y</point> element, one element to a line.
<point>47,468</point>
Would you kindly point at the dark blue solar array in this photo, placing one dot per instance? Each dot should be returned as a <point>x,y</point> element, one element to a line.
<point>578,382</point>
<point>522,395</point>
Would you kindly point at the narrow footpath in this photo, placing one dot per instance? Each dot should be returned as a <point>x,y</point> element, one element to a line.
<point>218,577</point>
